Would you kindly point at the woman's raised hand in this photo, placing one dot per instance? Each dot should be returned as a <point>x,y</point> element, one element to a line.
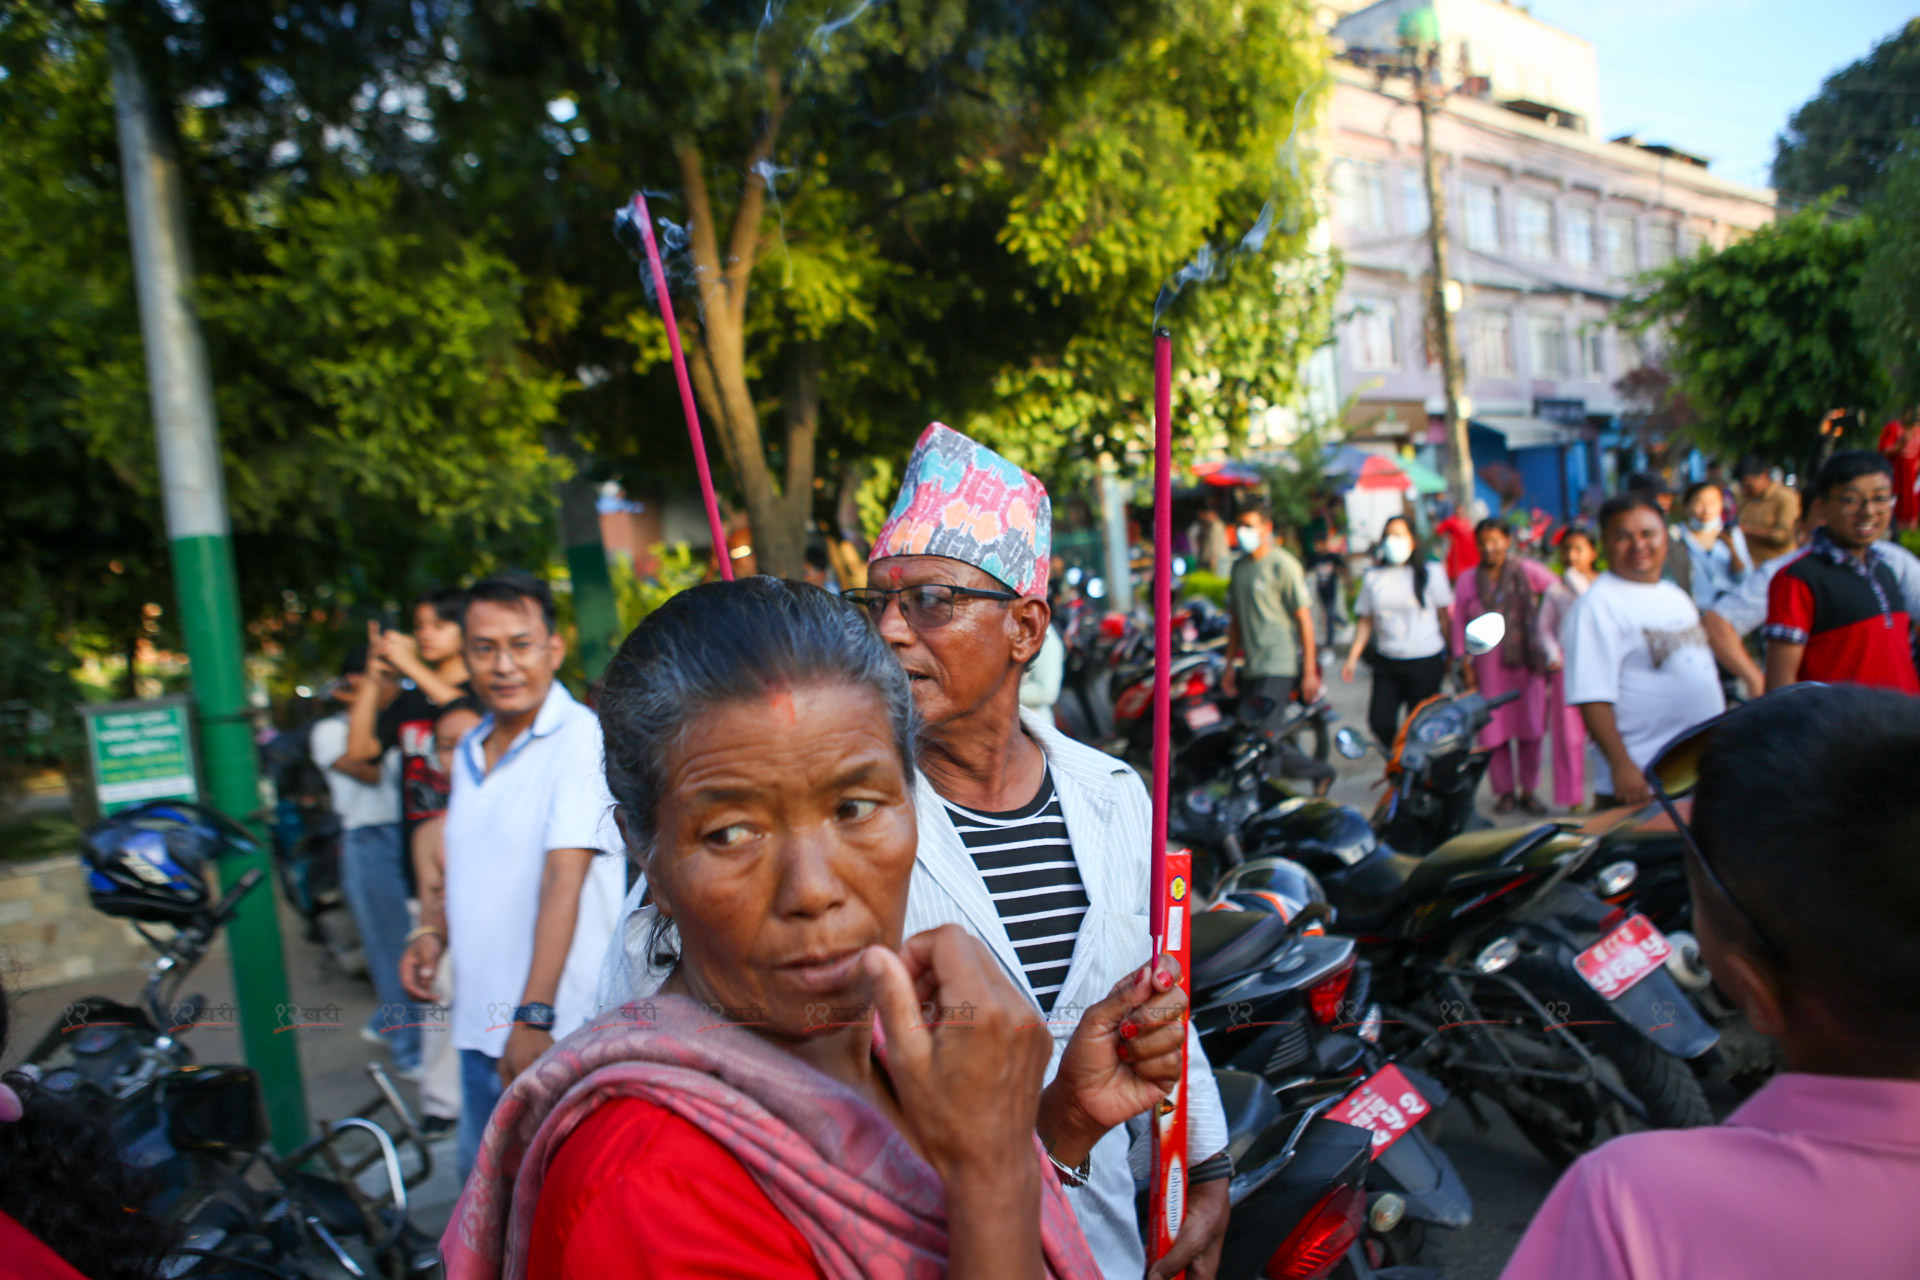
<point>965,1051</point>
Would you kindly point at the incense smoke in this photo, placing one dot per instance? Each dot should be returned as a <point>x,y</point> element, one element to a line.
<point>1203,267</point>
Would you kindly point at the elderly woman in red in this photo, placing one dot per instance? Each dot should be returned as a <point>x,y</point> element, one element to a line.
<point>808,1096</point>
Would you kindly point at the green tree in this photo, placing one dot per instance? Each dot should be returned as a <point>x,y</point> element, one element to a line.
<point>1888,303</point>
<point>1761,337</point>
<point>1850,133</point>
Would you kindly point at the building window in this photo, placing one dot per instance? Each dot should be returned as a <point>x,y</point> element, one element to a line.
<point>1490,344</point>
<point>1374,332</point>
<point>1593,353</point>
<point>1547,346</point>
<point>1662,243</point>
<point>1622,260</point>
<point>1483,216</point>
<point>1364,198</point>
<point>1578,225</point>
<point>1413,201</point>
<point>1533,227</point>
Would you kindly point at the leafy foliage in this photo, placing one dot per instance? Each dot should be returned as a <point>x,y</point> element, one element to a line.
<point>1850,133</point>
<point>1888,303</point>
<point>1761,337</point>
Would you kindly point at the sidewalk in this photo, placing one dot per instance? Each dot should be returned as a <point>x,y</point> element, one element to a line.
<point>333,1057</point>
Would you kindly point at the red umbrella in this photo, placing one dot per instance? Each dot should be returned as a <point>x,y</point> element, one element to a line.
<point>1382,472</point>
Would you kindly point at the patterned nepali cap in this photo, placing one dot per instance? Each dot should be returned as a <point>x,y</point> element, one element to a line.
<point>962,500</point>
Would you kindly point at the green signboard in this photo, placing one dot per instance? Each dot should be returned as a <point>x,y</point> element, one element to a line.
<point>141,751</point>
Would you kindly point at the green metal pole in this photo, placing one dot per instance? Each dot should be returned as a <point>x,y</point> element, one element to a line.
<point>595,611</point>
<point>196,507</point>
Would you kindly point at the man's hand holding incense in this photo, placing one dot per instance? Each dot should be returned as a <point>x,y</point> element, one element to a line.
<point>1124,1057</point>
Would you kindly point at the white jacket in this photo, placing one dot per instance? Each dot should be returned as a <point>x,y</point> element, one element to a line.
<point>1109,822</point>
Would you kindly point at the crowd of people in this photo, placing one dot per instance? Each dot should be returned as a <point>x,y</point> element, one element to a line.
<point>1639,634</point>
<point>805,950</point>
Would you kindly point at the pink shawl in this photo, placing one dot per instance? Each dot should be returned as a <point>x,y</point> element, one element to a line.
<point>836,1168</point>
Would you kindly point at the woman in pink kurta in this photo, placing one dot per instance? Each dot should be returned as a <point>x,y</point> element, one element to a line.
<point>1511,586</point>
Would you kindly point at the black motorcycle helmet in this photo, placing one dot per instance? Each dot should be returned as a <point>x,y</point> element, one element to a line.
<point>149,862</point>
<point>1279,885</point>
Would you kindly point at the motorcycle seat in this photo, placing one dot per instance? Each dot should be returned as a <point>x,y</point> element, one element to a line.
<point>1372,892</point>
<point>1249,1107</point>
<point>1228,943</point>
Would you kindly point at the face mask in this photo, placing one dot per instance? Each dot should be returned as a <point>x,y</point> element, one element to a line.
<point>1398,549</point>
<point>1248,538</point>
<point>1711,527</point>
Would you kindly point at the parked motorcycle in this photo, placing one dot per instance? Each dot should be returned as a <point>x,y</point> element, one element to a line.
<point>1638,866</point>
<point>1300,1209</point>
<point>1275,996</point>
<point>201,1131</point>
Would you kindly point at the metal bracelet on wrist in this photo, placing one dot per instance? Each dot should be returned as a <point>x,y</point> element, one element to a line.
<point>1074,1175</point>
<point>536,1015</point>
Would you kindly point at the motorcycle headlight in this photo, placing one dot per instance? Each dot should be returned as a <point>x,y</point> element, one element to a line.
<point>1616,878</point>
<point>1497,955</point>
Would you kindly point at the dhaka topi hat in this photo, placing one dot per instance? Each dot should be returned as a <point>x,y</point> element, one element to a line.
<point>961,500</point>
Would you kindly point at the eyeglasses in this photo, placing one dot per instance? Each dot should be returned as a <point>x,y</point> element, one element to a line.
<point>923,607</point>
<point>1676,771</point>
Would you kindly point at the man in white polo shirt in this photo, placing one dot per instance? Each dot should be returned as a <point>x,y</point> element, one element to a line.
<point>534,871</point>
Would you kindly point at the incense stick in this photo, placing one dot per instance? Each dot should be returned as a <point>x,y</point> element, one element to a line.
<point>721,551</point>
<point>1162,619</point>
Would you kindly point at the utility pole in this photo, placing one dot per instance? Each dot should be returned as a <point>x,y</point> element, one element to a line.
<point>1419,33</point>
<point>203,571</point>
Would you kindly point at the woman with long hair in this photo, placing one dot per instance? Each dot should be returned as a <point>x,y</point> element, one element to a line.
<point>1512,586</point>
<point>1403,613</point>
<point>809,1094</point>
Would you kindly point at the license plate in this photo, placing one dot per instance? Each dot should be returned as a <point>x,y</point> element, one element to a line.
<point>1202,714</point>
<point>1614,964</point>
<point>1386,1105</point>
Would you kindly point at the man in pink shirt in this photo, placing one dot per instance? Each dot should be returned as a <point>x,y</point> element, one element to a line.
<point>1806,891</point>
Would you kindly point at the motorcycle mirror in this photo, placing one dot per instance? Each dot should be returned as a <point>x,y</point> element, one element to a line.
<point>1485,633</point>
<point>1349,744</point>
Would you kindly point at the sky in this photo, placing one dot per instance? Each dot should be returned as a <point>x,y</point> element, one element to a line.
<point>1719,77</point>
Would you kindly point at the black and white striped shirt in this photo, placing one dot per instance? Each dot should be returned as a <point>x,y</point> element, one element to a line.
<point>1027,863</point>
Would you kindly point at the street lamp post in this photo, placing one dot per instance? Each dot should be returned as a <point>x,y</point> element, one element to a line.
<point>1420,37</point>
<point>201,541</point>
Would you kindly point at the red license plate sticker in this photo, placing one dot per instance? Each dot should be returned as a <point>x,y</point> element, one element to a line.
<point>1386,1105</point>
<point>1200,715</point>
<point>1614,964</point>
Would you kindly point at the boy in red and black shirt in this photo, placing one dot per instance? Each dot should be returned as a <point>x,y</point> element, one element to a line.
<point>1835,611</point>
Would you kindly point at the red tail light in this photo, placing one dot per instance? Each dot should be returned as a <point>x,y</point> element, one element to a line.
<point>1113,626</point>
<point>1313,1248</point>
<point>1324,996</point>
<point>1196,687</point>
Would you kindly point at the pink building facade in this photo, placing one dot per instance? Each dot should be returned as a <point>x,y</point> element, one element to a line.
<point>1548,228</point>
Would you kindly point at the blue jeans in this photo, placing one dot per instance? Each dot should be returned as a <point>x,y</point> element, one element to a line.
<point>480,1089</point>
<point>376,891</point>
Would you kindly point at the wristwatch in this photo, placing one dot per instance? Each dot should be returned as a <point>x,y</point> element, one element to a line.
<point>536,1015</point>
<point>1076,1175</point>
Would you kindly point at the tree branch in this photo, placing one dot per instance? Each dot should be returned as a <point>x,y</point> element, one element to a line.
<point>743,249</point>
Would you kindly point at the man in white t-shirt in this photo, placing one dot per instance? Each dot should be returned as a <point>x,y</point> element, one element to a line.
<point>535,871</point>
<point>366,799</point>
<point>1637,660</point>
